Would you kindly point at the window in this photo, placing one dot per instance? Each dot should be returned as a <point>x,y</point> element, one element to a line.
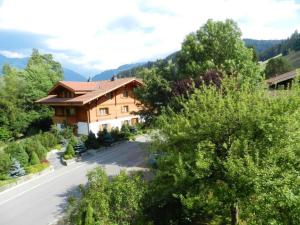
<point>125,109</point>
<point>71,111</point>
<point>103,111</point>
<point>125,94</point>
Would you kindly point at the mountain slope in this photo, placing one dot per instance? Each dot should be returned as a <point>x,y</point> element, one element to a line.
<point>107,74</point>
<point>20,63</point>
<point>70,75</point>
<point>294,59</point>
<point>261,45</point>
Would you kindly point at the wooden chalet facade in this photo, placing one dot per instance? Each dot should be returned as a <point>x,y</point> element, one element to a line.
<point>93,106</point>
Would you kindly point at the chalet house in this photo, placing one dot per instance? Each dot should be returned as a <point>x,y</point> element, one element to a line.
<point>93,106</point>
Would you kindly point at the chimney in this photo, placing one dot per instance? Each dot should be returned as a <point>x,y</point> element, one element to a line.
<point>113,78</point>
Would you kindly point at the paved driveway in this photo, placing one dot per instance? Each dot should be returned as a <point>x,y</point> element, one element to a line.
<point>42,200</point>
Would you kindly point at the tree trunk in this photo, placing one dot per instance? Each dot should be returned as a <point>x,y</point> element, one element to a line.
<point>234,214</point>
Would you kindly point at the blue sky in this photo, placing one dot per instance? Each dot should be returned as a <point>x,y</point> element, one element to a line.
<point>93,35</point>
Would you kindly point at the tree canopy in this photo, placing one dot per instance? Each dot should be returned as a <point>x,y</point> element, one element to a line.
<point>217,46</point>
<point>230,157</point>
<point>18,91</point>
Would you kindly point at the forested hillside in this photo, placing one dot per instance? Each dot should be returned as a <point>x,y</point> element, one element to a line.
<point>261,45</point>
<point>292,44</point>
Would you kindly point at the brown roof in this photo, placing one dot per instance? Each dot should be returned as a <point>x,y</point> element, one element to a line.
<point>281,78</point>
<point>91,90</point>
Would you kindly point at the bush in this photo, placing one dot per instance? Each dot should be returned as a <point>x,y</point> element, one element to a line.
<point>73,141</point>
<point>69,153</point>
<point>5,134</point>
<point>83,138</point>
<point>37,168</point>
<point>67,132</point>
<point>48,140</point>
<point>40,150</point>
<point>16,169</point>
<point>5,163</point>
<point>108,201</point>
<point>91,141</point>
<point>34,159</point>
<point>116,134</point>
<point>17,151</point>
<point>125,130</point>
<point>105,138</point>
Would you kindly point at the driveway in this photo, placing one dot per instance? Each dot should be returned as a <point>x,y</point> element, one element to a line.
<point>41,201</point>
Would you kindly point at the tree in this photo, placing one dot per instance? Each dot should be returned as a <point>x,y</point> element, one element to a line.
<point>19,89</point>
<point>277,66</point>
<point>34,159</point>
<point>16,169</point>
<point>217,46</point>
<point>5,163</point>
<point>230,157</point>
<point>91,141</point>
<point>108,202</point>
<point>17,152</point>
<point>155,94</point>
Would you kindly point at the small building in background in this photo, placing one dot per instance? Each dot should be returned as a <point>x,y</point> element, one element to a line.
<point>93,106</point>
<point>282,81</point>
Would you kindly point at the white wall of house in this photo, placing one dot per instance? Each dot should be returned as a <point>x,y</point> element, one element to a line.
<point>95,126</point>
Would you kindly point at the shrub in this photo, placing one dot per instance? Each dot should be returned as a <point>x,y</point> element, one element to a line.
<point>108,201</point>
<point>5,134</point>
<point>17,151</point>
<point>107,138</point>
<point>69,153</point>
<point>16,169</point>
<point>83,138</point>
<point>34,159</point>
<point>67,132</point>
<point>125,130</point>
<point>5,163</point>
<point>104,138</point>
<point>73,141</point>
<point>91,141</point>
<point>40,150</point>
<point>116,134</point>
<point>37,168</point>
<point>48,140</point>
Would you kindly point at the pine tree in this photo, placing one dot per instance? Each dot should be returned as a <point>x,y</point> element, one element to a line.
<point>34,159</point>
<point>16,169</point>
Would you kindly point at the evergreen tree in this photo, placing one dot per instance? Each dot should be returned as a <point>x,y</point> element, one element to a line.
<point>34,159</point>
<point>16,169</point>
<point>5,163</point>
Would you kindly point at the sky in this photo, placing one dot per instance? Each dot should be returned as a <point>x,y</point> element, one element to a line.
<point>90,36</point>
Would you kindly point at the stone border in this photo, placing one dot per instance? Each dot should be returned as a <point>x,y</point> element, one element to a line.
<point>25,178</point>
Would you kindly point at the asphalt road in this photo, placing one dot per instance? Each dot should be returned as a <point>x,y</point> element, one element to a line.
<point>41,201</point>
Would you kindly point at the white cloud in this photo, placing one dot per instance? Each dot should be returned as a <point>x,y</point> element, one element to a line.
<point>11,54</point>
<point>156,27</point>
